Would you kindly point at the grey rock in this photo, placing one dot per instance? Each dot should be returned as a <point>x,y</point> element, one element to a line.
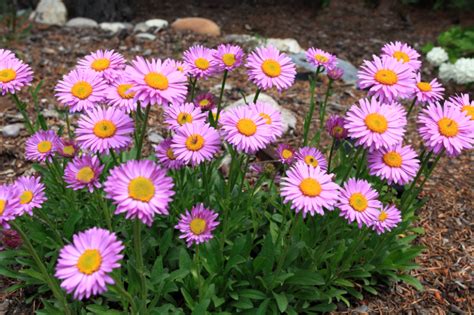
<point>115,27</point>
<point>155,137</point>
<point>12,130</point>
<point>361,309</point>
<point>156,24</point>
<point>49,113</point>
<point>81,22</point>
<point>242,39</point>
<point>289,45</point>
<point>217,88</point>
<point>51,12</point>
<point>140,28</point>
<point>145,36</point>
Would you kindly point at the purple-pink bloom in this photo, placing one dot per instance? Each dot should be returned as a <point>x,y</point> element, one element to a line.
<point>196,226</point>
<point>14,74</point>
<point>228,57</point>
<point>31,194</point>
<point>205,101</point>
<point>427,92</point>
<point>176,116</point>
<point>181,66</point>
<point>67,148</point>
<point>83,172</point>
<point>286,153</point>
<point>464,104</point>
<point>6,54</point>
<point>107,63</point>
<point>311,157</point>
<point>320,58</point>
<point>272,117</point>
<point>200,61</point>
<point>9,204</point>
<point>335,127</point>
<point>387,218</point>
<point>403,53</point>
<point>335,73</point>
<point>118,94</point>
<point>42,145</point>
<point>166,156</point>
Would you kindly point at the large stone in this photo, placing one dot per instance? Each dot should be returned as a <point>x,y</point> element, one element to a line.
<point>81,22</point>
<point>242,39</point>
<point>289,45</point>
<point>12,130</point>
<point>115,27</point>
<point>156,24</point>
<point>155,137</point>
<point>145,36</point>
<point>140,28</point>
<point>197,25</point>
<point>51,12</point>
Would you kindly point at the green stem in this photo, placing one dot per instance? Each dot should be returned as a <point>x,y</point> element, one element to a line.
<point>411,107</point>
<point>115,159</point>
<point>312,105</point>
<point>39,212</point>
<point>22,108</point>
<point>193,87</point>
<point>68,126</point>
<point>410,190</point>
<point>322,114</point>
<point>256,96</point>
<point>219,103</point>
<point>349,169</point>
<point>105,209</point>
<point>198,267</point>
<point>142,133</point>
<point>139,258</point>
<point>53,285</point>
<point>124,294</point>
<point>330,154</point>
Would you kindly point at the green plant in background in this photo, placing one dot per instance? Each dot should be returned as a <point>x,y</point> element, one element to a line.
<point>14,25</point>
<point>457,41</point>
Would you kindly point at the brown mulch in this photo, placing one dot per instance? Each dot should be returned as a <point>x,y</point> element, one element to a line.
<point>353,32</point>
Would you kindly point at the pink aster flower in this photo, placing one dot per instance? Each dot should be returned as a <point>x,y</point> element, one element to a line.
<point>245,129</point>
<point>85,265</point>
<point>6,54</point>
<point>286,153</point>
<point>118,94</point>
<point>83,172</point>
<point>228,57</point>
<point>320,58</point>
<point>387,218</point>
<point>195,143</point>
<point>107,63</point>
<point>403,53</point>
<point>427,92</point>
<point>335,126</point>
<point>386,78</point>
<point>67,148</point>
<point>375,125</point>
<point>311,157</point>
<point>42,145</point>
<point>102,129</point>
<point>309,189</point>
<point>272,117</point>
<point>200,61</point>
<point>166,156</point>
<point>176,116</point>
<point>398,164</point>
<point>446,127</point>
<point>464,104</point>
<point>9,204</point>
<point>81,90</point>
<point>181,66</point>
<point>196,226</point>
<point>205,101</point>
<point>335,73</point>
<point>358,201</point>
<point>156,82</point>
<point>268,67</point>
<point>31,194</point>
<point>140,189</point>
<point>14,74</point>
<point>11,238</point>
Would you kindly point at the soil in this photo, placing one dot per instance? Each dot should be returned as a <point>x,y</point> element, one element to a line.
<point>350,30</point>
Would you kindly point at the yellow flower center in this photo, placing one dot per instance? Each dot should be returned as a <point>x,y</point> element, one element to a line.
<point>271,68</point>
<point>228,59</point>
<point>180,68</point>
<point>156,80</point>
<point>44,146</point>
<point>69,150</point>
<point>321,58</point>
<point>194,142</point>
<point>383,216</point>
<point>184,118</point>
<point>7,75</point>
<point>203,103</point>
<point>141,189</point>
<point>246,127</point>
<point>105,129</point>
<point>100,64</point>
<point>469,109</point>
<point>202,63</point>
<point>393,159</point>
<point>358,202</point>
<point>81,90</point>
<point>85,174</point>
<point>311,161</point>
<point>122,90</point>
<point>376,123</point>
<point>89,262</point>
<point>3,204</point>
<point>267,118</point>
<point>337,131</point>
<point>401,56</point>
<point>310,187</point>
<point>424,86</point>
<point>387,77</point>
<point>286,154</point>
<point>170,154</point>
<point>198,226</point>
<point>26,197</point>
<point>448,127</point>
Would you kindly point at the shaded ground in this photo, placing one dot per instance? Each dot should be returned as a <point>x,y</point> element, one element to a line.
<point>351,31</point>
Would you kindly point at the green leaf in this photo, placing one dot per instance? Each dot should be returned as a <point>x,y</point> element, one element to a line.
<point>411,281</point>
<point>262,309</point>
<point>281,300</point>
<point>185,261</point>
<point>252,294</point>
<point>306,278</point>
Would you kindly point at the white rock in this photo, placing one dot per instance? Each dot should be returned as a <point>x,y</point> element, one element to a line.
<point>52,12</point>
<point>437,56</point>
<point>217,88</point>
<point>290,45</point>
<point>140,28</point>
<point>287,116</point>
<point>145,36</point>
<point>157,24</point>
<point>12,130</point>
<point>81,22</point>
<point>155,137</point>
<point>49,113</point>
<point>114,27</point>
<point>241,39</point>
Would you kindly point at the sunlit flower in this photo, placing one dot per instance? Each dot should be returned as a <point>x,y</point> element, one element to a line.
<point>200,61</point>
<point>427,92</point>
<point>140,189</point>
<point>81,90</point>
<point>42,145</point>
<point>156,82</point>
<point>358,201</point>
<point>311,157</point>
<point>195,143</point>
<point>320,58</point>
<point>176,116</point>
<point>9,204</point>
<point>464,104</point>
<point>309,189</point>
<point>335,127</point>
<point>85,265</point>
<point>102,129</point>
<point>6,54</point>
<point>14,75</point>
<point>205,101</point>
<point>107,63</point>
<point>398,164</point>
<point>286,153</point>
<point>181,66</point>
<point>272,117</point>
<point>403,53</point>
<point>386,78</point>
<point>196,226</point>
<point>67,148</point>
<point>387,218</point>
<point>166,156</point>
<point>268,67</point>
<point>228,57</point>
<point>31,194</point>
<point>118,94</point>
<point>83,172</point>
<point>335,73</point>
<point>446,127</point>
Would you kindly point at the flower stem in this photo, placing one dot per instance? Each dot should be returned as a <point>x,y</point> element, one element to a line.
<point>312,105</point>
<point>219,103</point>
<point>142,133</point>
<point>411,107</point>
<point>359,149</point>
<point>322,113</point>
<point>193,87</point>
<point>198,271</point>
<point>22,108</point>
<point>68,126</point>
<point>139,258</point>
<point>331,153</point>
<point>256,95</point>
<point>124,294</point>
